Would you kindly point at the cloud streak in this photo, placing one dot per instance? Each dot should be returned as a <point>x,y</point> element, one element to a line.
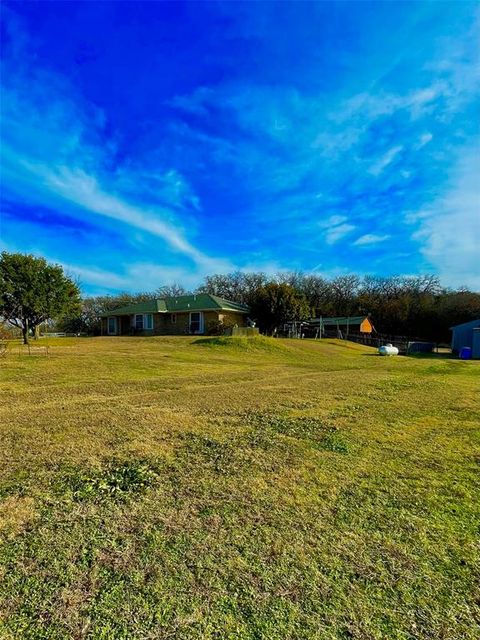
<point>54,153</point>
<point>369,239</point>
<point>336,233</point>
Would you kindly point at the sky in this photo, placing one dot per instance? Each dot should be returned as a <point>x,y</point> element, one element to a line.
<point>149,143</point>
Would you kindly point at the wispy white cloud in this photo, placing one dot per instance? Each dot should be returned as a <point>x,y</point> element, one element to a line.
<point>424,139</point>
<point>337,233</point>
<point>336,227</point>
<point>84,191</point>
<point>449,231</point>
<point>106,280</point>
<point>332,221</point>
<point>383,162</point>
<point>196,102</point>
<point>370,238</point>
<point>55,153</point>
<point>136,276</point>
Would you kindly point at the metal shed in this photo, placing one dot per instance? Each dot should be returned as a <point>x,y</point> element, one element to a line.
<point>343,325</point>
<point>467,334</point>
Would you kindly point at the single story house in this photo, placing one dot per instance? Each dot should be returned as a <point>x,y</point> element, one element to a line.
<point>466,334</point>
<point>176,315</point>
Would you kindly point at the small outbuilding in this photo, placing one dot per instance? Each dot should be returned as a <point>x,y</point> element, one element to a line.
<point>343,326</point>
<point>467,335</point>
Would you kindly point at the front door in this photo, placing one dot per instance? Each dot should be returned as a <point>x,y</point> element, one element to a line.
<point>112,326</point>
<point>196,322</point>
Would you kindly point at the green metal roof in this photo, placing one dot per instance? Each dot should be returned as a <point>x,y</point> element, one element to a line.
<point>174,304</point>
<point>149,306</point>
<point>352,320</point>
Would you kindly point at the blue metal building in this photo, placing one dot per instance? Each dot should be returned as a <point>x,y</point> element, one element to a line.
<point>467,335</point>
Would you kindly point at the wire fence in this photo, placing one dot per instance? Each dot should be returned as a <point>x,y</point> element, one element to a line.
<point>404,344</point>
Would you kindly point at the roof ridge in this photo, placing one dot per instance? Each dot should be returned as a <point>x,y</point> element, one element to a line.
<point>185,302</point>
<point>215,297</point>
<point>185,295</point>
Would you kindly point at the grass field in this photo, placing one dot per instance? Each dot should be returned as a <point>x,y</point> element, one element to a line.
<point>233,489</point>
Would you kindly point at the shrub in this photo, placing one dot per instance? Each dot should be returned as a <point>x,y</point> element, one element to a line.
<point>215,328</point>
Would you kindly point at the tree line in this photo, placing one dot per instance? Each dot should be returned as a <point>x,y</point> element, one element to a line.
<point>414,306</point>
<point>33,291</point>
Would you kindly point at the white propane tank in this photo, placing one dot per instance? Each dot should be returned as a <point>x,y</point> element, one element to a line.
<point>388,350</point>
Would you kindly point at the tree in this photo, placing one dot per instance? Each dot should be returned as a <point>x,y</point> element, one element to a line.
<point>275,304</point>
<point>32,291</point>
<point>237,286</point>
<point>171,291</point>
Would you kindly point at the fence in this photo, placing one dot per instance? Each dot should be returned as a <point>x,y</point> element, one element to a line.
<point>404,344</point>
<point>61,334</point>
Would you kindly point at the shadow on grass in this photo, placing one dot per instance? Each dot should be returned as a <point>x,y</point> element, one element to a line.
<point>433,356</point>
<point>417,356</point>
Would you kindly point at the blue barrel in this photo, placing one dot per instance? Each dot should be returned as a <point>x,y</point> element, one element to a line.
<point>465,353</point>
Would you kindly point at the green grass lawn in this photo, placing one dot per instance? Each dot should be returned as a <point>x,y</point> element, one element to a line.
<point>238,489</point>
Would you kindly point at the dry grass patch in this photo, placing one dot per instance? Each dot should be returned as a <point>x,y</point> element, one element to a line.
<point>16,512</point>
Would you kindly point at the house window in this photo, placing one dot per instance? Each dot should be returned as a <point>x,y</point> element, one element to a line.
<point>173,318</point>
<point>143,321</point>
<point>112,326</point>
<point>196,322</point>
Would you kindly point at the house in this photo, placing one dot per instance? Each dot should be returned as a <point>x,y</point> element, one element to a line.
<point>175,315</point>
<point>467,334</point>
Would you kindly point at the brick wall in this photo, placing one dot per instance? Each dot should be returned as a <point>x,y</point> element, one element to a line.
<point>164,326</point>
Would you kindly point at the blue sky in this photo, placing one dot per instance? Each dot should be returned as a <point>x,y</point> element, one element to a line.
<point>150,143</point>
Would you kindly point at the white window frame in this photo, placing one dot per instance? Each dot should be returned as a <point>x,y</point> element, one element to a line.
<point>148,320</point>
<point>115,323</point>
<point>201,322</point>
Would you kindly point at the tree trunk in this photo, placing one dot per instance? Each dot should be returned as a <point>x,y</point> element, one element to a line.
<point>25,330</point>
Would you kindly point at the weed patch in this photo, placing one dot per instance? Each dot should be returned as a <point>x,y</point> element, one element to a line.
<point>116,481</point>
<point>265,427</point>
<point>221,457</point>
<point>335,442</point>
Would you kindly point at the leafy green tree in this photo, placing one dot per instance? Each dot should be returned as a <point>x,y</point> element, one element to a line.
<point>32,291</point>
<point>275,304</point>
